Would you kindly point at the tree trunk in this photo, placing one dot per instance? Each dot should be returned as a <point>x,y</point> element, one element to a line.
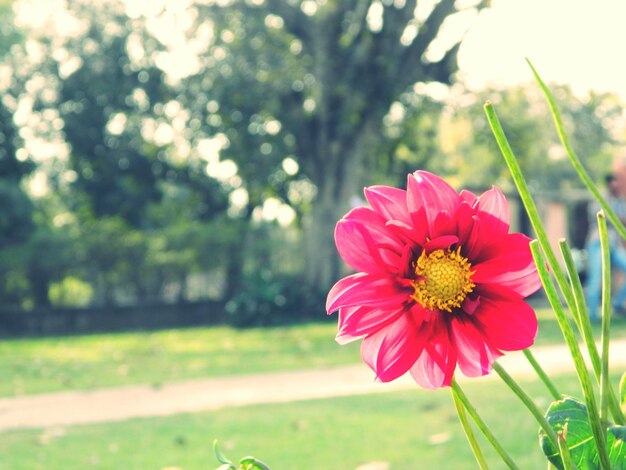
<point>339,189</point>
<point>323,265</point>
<point>236,258</point>
<point>39,285</point>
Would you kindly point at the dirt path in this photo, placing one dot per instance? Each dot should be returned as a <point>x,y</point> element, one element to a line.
<point>68,408</point>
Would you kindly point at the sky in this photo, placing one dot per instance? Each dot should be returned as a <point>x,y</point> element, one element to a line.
<point>577,42</point>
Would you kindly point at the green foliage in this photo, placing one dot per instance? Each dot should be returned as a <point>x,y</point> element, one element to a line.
<point>16,222</point>
<point>49,254</point>
<point>472,153</point>
<point>114,168</point>
<point>271,290</point>
<point>268,299</point>
<point>9,35</point>
<point>313,85</point>
<point>246,463</point>
<point>309,106</point>
<point>413,140</point>
<point>569,417</point>
<point>70,292</point>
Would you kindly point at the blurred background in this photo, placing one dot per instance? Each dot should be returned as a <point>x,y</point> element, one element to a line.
<point>174,163</point>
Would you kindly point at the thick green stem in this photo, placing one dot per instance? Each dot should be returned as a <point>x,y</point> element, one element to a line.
<point>482,425</point>
<point>577,288</point>
<point>585,330</point>
<point>529,205</point>
<point>566,457</point>
<point>467,428</point>
<point>528,402</point>
<point>606,315</point>
<point>616,413</point>
<point>575,161</point>
<point>582,314</point>
<point>579,362</point>
<point>542,375</point>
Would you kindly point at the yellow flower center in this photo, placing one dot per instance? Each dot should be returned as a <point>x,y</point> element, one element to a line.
<point>443,279</point>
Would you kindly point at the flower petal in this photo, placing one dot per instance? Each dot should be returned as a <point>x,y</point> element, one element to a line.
<point>392,351</point>
<point>465,222</point>
<point>427,196</point>
<point>388,202</point>
<point>439,243</point>
<point>359,321</point>
<point>506,321</point>
<point>491,222</point>
<point>510,264</point>
<point>468,197</point>
<point>493,202</point>
<point>444,225</point>
<point>475,355</point>
<point>365,243</point>
<point>364,289</point>
<point>435,367</point>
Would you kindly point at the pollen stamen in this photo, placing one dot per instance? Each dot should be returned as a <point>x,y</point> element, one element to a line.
<point>443,278</point>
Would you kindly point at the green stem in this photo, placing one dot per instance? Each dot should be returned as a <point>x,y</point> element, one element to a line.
<point>566,457</point>
<point>585,330</point>
<point>579,362</point>
<point>616,413</point>
<point>582,315</point>
<point>542,374</point>
<point>530,404</point>
<point>467,428</point>
<point>576,286</point>
<point>482,425</point>
<point>535,220</point>
<point>529,204</point>
<point>606,315</point>
<point>575,161</point>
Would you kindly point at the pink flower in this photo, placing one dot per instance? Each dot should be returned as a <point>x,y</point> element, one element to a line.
<point>441,281</point>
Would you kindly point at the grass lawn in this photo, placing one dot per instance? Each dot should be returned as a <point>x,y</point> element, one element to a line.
<point>92,361</point>
<point>414,429</point>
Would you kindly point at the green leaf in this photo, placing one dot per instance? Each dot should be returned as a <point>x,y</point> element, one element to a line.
<point>250,463</point>
<point>570,417</point>
<point>616,442</point>
<point>220,456</point>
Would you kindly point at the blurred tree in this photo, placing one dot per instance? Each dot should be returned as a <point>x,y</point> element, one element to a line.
<point>184,119</point>
<point>473,157</point>
<point>412,132</point>
<point>313,81</point>
<point>16,216</point>
<point>94,81</point>
<point>102,103</point>
<point>108,248</point>
<point>49,253</point>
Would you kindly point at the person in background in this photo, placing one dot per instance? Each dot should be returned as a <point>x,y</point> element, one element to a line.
<point>617,202</point>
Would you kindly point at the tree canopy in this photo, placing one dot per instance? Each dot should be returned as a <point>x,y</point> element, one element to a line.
<point>184,150</point>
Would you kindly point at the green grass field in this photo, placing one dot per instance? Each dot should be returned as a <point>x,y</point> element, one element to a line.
<point>86,362</point>
<point>415,429</point>
<point>409,430</point>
